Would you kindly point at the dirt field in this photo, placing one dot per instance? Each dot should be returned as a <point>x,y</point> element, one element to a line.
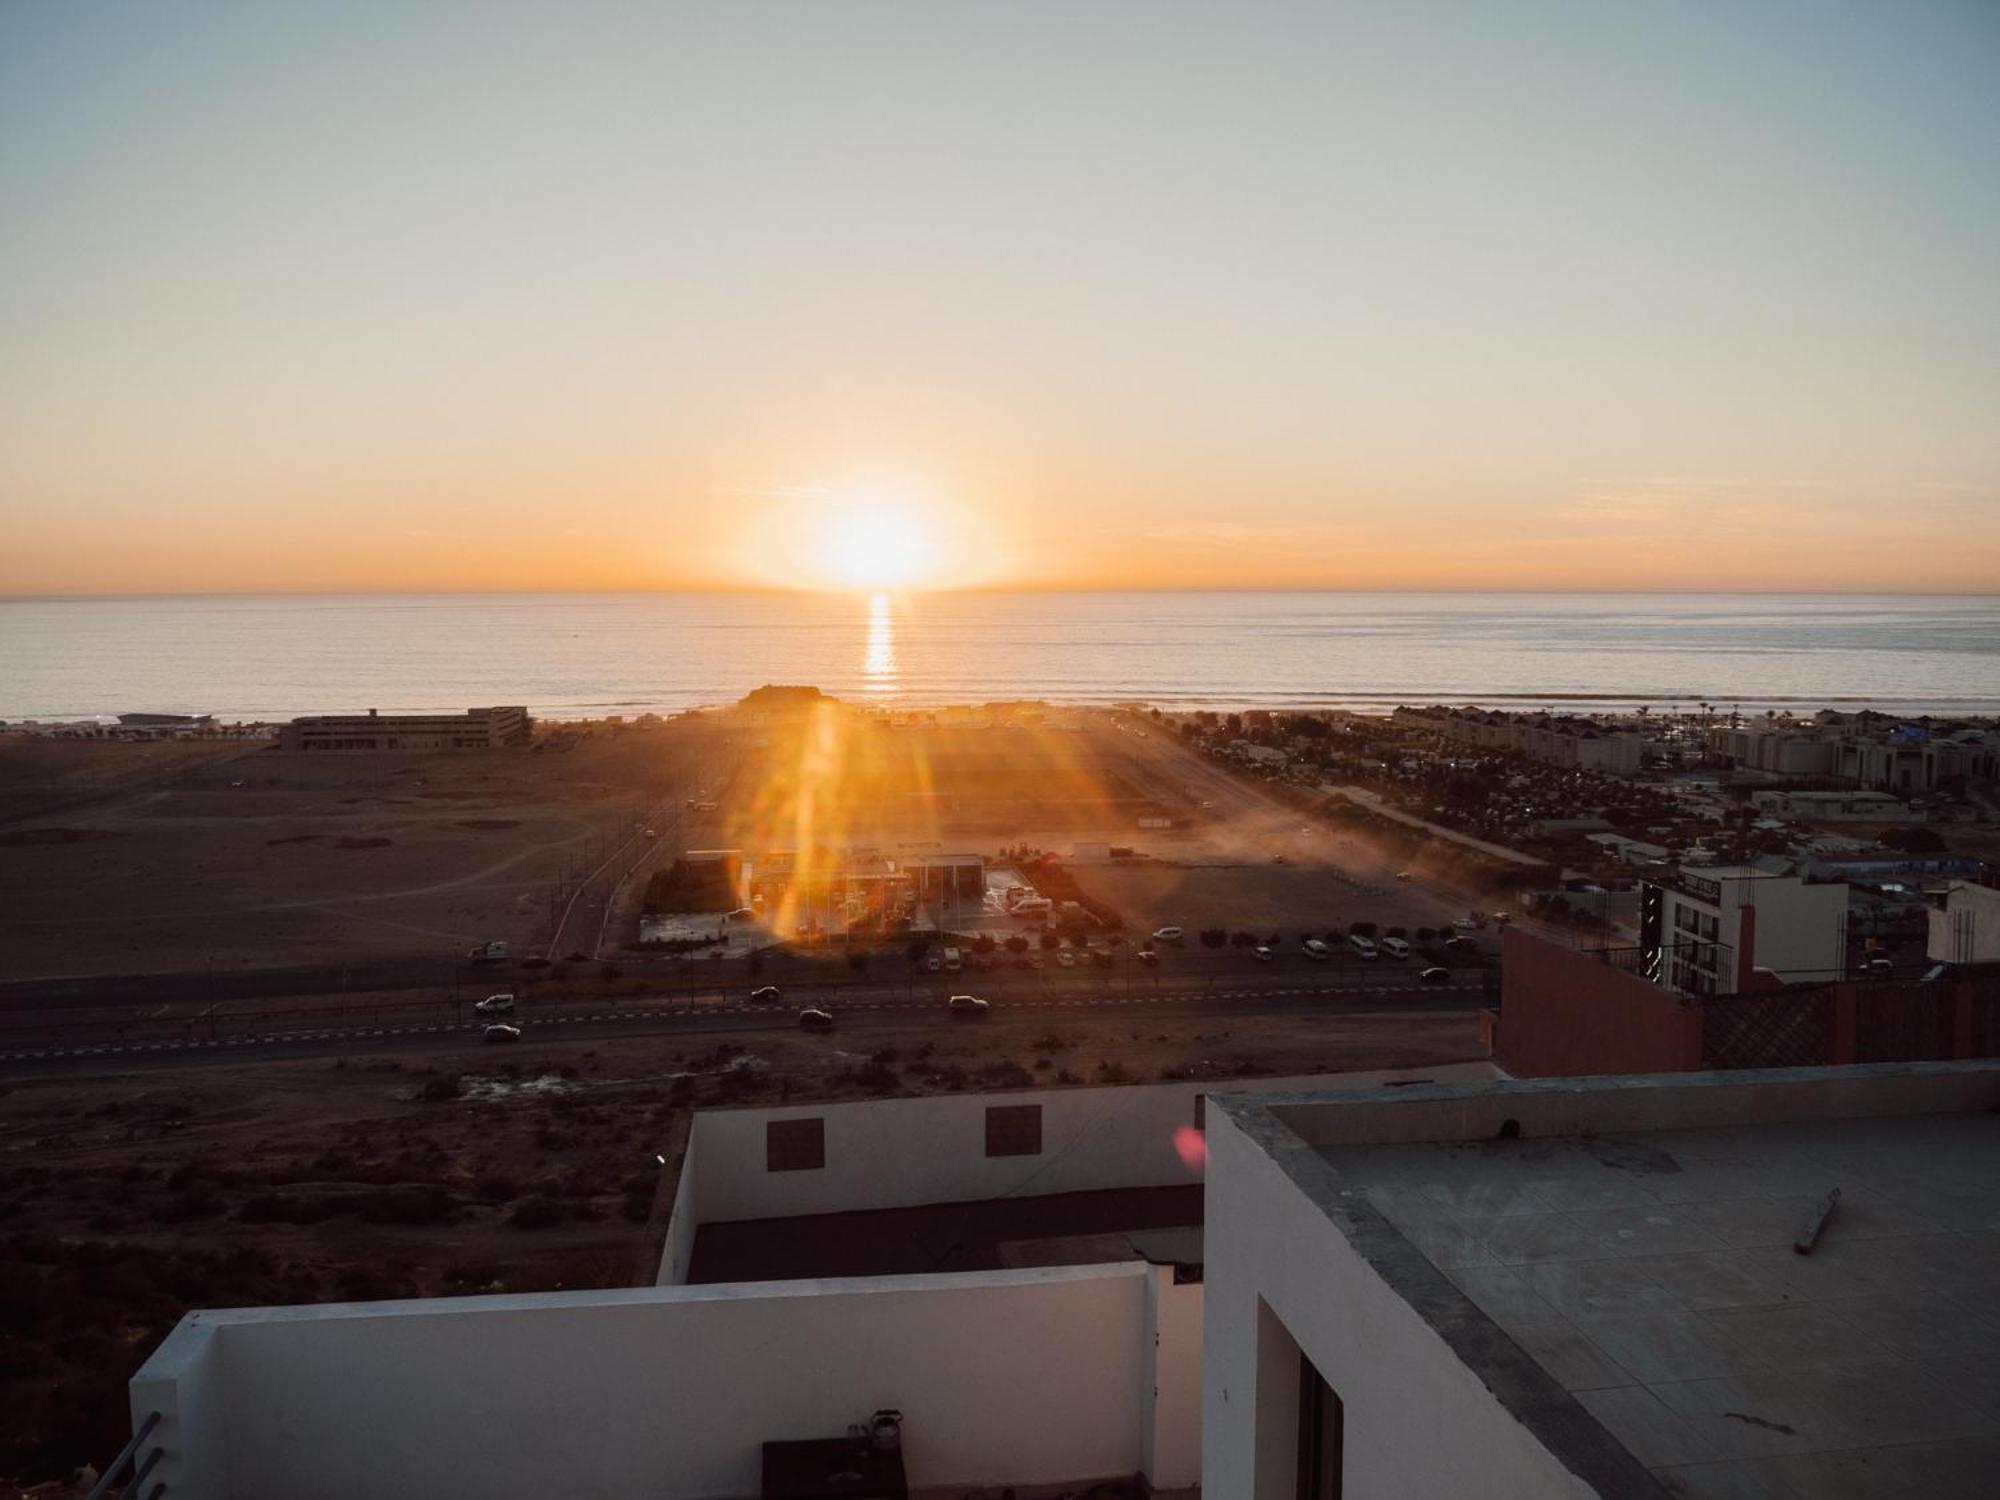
<point>129,1200</point>
<point>265,858</point>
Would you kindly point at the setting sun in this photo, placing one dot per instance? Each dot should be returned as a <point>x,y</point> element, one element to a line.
<point>875,547</point>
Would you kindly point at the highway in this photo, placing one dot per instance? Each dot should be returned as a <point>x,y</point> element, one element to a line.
<point>857,1008</point>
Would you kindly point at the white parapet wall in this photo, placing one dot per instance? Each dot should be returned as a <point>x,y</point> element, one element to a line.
<point>1004,1378</point>
<point>898,1153</point>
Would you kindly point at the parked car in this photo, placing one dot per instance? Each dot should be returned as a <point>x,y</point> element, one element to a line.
<point>495,1005</point>
<point>1461,945</point>
<point>1435,974</point>
<point>934,964</point>
<point>1262,954</point>
<point>1066,958</point>
<point>1168,935</point>
<point>1466,924</point>
<point>502,1033</point>
<point>814,1019</point>
<point>967,1008</point>
<point>768,994</point>
<point>1315,948</point>
<point>1148,956</point>
<point>1395,947</point>
<point>1363,947</point>
<point>1402,874</point>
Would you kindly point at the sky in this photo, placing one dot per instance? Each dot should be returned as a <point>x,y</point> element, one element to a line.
<point>1533,295</point>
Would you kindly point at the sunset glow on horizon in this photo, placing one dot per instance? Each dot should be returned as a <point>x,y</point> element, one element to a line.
<point>872,298</point>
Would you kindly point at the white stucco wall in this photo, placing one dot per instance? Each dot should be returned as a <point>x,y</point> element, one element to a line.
<point>1008,1378</point>
<point>894,1153</point>
<point>677,1248</point>
<point>1170,1432</point>
<point>1418,1421</point>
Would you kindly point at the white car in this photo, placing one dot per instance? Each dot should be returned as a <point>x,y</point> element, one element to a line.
<point>495,1005</point>
<point>502,1033</point>
<point>1262,954</point>
<point>1314,948</point>
<point>1466,924</point>
<point>1168,935</point>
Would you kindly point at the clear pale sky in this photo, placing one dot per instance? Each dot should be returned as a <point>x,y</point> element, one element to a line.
<point>569,295</point>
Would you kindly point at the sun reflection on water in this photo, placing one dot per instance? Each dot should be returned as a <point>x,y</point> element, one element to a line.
<point>878,665</point>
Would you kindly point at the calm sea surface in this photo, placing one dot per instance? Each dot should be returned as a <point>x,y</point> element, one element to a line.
<point>569,655</point>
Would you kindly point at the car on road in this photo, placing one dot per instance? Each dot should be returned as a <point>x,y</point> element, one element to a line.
<point>768,994</point>
<point>967,1008</point>
<point>1435,974</point>
<point>1168,935</point>
<point>1461,945</point>
<point>502,1033</point>
<point>1466,924</point>
<point>814,1019</point>
<point>1262,954</point>
<point>1148,956</point>
<point>495,1005</point>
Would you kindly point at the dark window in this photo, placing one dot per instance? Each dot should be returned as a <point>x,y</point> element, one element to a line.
<point>1014,1130</point>
<point>1201,1111</point>
<point>795,1145</point>
<point>1321,1418</point>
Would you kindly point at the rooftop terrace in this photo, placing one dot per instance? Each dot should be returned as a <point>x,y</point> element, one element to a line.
<point>1628,1244</point>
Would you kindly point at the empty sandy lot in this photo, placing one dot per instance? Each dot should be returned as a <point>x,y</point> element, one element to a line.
<point>268,859</point>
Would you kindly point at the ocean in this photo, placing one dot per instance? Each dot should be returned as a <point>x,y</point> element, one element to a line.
<point>585,655</point>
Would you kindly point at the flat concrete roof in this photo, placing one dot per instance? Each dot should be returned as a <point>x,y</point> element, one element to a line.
<point>1160,1224</point>
<point>1650,1273</point>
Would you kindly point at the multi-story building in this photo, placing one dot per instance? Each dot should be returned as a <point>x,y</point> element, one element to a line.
<point>1557,740</point>
<point>475,729</point>
<point>1965,926</point>
<point>1274,1290</point>
<point>1711,931</point>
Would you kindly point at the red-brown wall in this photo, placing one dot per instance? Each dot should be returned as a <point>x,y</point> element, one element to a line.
<point>1567,1014</point>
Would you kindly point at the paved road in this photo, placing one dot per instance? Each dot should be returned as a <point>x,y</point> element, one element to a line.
<point>857,1011</point>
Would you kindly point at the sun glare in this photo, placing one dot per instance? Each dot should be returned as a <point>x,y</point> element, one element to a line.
<point>874,547</point>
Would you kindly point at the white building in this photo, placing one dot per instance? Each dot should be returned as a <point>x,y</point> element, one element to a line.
<point>1708,931</point>
<point>1965,926</point>
<point>1468,1288</point>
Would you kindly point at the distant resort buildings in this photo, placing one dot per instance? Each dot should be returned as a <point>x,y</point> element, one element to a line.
<point>475,729</point>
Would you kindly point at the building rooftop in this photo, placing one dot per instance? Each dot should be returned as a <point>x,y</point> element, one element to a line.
<point>1653,1276</point>
<point>1650,1274</point>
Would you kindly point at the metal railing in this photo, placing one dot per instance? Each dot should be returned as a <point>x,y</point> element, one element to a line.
<point>142,1468</point>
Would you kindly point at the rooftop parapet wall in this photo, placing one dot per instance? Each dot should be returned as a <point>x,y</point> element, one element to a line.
<point>900,1153</point>
<point>1586,1106</point>
<point>1007,1378</point>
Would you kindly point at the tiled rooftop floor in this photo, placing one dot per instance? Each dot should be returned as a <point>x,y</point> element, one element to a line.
<point>1653,1276</point>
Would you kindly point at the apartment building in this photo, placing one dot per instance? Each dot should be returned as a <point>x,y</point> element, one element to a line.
<point>1964,926</point>
<point>1713,930</point>
<point>1557,740</point>
<point>475,729</point>
<point>1431,1284</point>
